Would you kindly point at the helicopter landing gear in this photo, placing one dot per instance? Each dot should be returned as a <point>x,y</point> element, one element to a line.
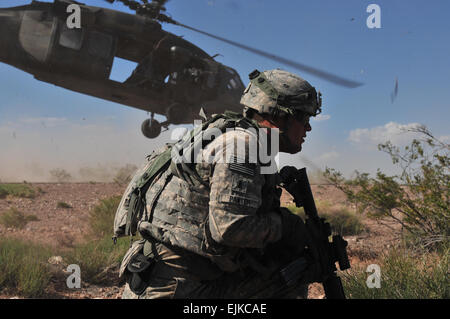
<point>151,128</point>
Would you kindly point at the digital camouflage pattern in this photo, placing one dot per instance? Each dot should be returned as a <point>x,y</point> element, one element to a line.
<point>173,279</point>
<point>210,226</point>
<point>215,220</point>
<point>303,96</point>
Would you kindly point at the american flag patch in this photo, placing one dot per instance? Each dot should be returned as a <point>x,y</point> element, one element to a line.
<point>240,166</point>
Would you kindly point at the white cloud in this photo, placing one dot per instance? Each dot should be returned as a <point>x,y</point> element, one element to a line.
<point>321,117</point>
<point>394,132</point>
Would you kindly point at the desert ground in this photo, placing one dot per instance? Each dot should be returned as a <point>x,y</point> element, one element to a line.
<point>63,228</point>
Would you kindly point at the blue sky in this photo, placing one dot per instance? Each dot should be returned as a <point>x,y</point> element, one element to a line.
<point>43,126</point>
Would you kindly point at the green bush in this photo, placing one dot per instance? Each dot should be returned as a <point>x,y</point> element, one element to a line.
<point>101,217</point>
<point>342,220</point>
<point>15,218</point>
<point>403,276</point>
<point>418,198</point>
<point>23,267</point>
<point>17,190</point>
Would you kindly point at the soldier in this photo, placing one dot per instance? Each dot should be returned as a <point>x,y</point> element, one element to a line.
<point>214,228</point>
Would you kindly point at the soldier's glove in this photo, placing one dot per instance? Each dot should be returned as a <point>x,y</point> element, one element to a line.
<point>293,231</point>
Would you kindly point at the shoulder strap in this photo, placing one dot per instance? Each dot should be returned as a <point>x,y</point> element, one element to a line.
<point>137,198</point>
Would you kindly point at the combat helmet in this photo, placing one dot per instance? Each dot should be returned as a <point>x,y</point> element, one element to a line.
<point>276,91</point>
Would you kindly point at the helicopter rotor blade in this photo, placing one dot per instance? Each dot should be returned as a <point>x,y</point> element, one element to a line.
<point>299,66</point>
<point>136,6</point>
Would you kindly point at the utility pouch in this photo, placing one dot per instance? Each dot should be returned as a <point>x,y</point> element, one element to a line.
<point>139,267</point>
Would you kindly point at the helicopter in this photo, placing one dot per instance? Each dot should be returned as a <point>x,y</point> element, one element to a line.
<point>173,76</point>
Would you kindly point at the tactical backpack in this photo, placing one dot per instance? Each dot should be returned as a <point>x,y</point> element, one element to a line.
<point>132,206</point>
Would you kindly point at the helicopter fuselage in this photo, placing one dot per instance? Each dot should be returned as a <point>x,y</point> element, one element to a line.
<point>173,77</point>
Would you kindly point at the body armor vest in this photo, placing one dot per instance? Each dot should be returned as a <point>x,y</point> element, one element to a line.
<point>177,202</point>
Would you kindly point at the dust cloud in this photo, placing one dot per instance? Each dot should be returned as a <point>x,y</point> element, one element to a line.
<point>31,148</point>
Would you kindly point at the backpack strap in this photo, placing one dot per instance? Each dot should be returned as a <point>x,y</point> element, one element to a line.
<point>137,199</point>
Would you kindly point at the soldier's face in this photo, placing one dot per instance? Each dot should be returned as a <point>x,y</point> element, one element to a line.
<point>296,133</point>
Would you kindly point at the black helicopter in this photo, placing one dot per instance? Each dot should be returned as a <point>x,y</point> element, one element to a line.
<point>173,77</point>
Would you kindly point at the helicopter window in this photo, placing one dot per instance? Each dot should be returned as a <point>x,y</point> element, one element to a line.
<point>71,38</point>
<point>233,84</point>
<point>100,44</point>
<point>37,31</point>
<point>121,69</point>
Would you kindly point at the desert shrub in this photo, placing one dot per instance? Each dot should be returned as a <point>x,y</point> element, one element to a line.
<point>404,275</point>
<point>101,217</point>
<point>17,190</point>
<point>15,218</point>
<point>124,174</point>
<point>23,267</point>
<point>100,173</point>
<point>417,198</point>
<point>63,205</point>
<point>341,219</point>
<point>60,175</point>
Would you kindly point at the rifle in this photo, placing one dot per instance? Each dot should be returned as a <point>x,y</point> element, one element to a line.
<point>324,253</point>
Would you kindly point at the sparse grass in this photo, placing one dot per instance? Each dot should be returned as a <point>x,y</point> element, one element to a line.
<point>95,256</point>
<point>99,253</point>
<point>23,267</point>
<point>17,190</point>
<point>404,275</point>
<point>342,220</point>
<point>14,218</point>
<point>63,205</point>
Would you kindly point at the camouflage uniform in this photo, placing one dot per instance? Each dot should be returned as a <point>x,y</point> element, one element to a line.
<point>217,236</point>
<point>206,230</point>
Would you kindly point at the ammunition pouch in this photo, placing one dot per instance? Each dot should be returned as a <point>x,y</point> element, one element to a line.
<point>140,269</point>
